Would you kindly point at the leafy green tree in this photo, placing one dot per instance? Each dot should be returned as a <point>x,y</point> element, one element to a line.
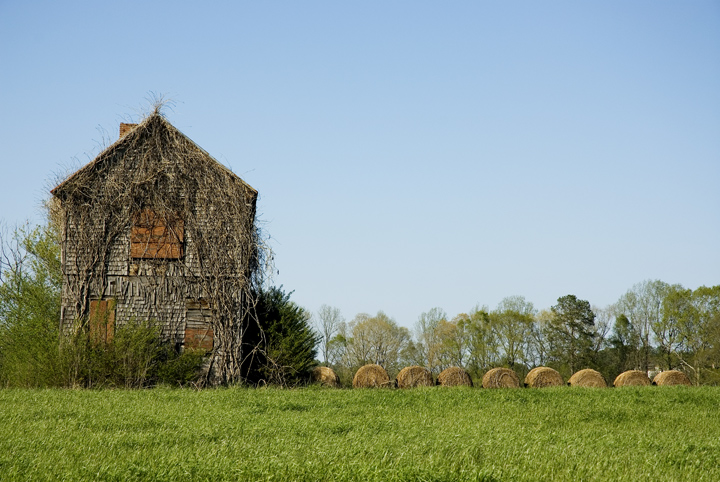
<point>376,339</point>
<point>668,328</point>
<point>698,317</point>
<point>540,343</point>
<point>327,322</point>
<point>338,344</point>
<point>440,343</point>
<point>625,342</point>
<point>642,304</point>
<point>481,341</point>
<point>30,284</point>
<point>453,341</point>
<point>572,331</point>
<point>429,342</point>
<point>512,322</point>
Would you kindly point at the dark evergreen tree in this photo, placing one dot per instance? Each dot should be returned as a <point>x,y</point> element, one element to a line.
<point>286,343</point>
<point>625,341</point>
<point>571,332</point>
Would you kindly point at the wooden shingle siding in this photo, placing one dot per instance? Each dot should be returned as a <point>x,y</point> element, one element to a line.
<point>161,299</point>
<point>117,264</point>
<point>118,253</point>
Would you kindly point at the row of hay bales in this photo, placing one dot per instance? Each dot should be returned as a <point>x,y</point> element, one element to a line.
<point>375,376</point>
<point>547,377</point>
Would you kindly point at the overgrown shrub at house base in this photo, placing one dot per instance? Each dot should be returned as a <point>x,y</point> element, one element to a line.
<point>134,357</point>
<point>180,369</point>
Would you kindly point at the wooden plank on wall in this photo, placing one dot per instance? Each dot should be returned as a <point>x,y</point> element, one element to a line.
<point>155,236</point>
<point>102,321</point>
<point>199,338</point>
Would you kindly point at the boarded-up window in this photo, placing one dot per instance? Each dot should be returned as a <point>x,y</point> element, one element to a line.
<point>102,321</point>
<point>157,236</point>
<point>198,326</point>
<point>199,338</point>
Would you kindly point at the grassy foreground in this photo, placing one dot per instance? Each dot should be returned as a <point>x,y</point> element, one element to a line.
<point>651,433</point>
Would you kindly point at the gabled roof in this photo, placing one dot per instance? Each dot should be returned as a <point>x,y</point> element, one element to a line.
<point>149,130</point>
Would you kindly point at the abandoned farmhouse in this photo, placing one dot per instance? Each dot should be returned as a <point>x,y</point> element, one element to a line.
<point>154,228</point>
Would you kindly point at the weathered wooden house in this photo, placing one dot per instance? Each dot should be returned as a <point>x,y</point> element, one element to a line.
<point>155,228</point>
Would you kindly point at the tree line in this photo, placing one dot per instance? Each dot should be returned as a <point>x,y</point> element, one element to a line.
<point>653,326</point>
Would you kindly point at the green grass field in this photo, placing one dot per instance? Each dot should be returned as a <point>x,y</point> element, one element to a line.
<point>651,433</point>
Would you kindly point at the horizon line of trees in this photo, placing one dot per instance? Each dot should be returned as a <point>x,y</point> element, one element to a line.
<point>653,326</point>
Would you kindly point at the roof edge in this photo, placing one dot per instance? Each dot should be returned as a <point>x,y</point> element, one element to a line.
<point>57,190</point>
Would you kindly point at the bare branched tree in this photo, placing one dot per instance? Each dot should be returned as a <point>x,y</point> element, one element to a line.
<point>327,324</point>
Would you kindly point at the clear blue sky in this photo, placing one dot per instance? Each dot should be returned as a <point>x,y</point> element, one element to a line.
<point>408,154</point>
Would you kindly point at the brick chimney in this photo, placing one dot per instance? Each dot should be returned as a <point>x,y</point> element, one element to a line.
<point>125,128</point>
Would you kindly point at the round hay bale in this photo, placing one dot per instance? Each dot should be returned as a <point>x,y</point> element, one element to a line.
<point>587,378</point>
<point>540,377</point>
<point>414,376</point>
<point>632,378</point>
<point>325,376</point>
<point>671,377</point>
<point>453,377</point>
<point>371,376</point>
<point>501,378</point>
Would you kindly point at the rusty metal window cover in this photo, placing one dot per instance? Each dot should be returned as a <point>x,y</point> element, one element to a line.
<point>102,321</point>
<point>199,338</point>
